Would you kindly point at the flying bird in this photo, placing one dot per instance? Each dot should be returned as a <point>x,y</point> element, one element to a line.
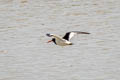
<point>64,41</point>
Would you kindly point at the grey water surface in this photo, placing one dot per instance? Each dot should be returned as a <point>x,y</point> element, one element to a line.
<point>25,55</point>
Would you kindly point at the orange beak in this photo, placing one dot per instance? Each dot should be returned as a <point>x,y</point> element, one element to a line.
<point>49,41</point>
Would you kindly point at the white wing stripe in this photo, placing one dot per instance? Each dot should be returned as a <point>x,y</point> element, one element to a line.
<point>71,35</point>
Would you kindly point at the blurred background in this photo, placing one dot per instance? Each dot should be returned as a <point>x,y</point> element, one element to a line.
<point>25,55</point>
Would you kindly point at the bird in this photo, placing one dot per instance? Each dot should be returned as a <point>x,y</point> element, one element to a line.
<point>65,40</point>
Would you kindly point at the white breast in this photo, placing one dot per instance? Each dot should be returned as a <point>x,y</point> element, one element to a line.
<point>62,42</point>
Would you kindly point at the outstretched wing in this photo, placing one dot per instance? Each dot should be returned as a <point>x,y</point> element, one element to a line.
<point>71,34</point>
<point>54,36</point>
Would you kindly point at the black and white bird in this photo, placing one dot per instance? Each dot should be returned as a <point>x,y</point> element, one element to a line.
<point>64,41</point>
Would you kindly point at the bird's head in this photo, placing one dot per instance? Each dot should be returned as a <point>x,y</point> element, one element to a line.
<point>53,40</point>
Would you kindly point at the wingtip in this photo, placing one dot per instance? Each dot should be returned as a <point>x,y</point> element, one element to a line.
<point>84,32</point>
<point>79,32</point>
<point>48,34</point>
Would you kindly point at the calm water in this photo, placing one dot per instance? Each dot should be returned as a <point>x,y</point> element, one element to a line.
<point>25,55</point>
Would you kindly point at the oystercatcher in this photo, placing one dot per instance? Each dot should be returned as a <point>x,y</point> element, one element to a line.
<point>64,41</point>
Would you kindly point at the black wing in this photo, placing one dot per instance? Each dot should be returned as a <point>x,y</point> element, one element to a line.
<point>66,37</point>
<point>69,35</point>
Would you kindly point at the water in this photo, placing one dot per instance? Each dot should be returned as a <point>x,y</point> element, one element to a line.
<point>25,55</point>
